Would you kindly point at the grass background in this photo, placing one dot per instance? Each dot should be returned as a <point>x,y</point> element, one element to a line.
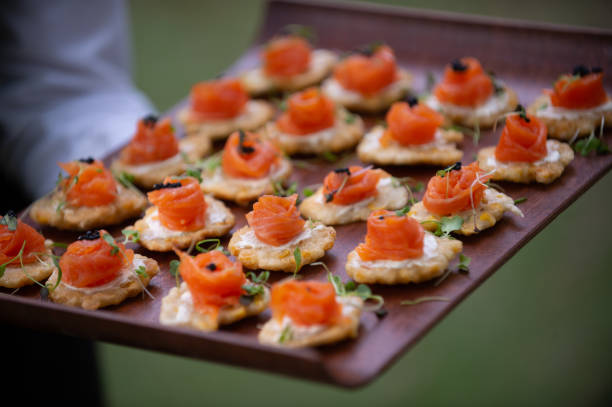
<point>536,333</point>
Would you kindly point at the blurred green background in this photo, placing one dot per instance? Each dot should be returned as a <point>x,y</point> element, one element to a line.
<point>537,333</point>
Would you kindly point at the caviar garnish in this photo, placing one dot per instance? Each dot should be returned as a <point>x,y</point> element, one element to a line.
<point>88,160</point>
<point>412,101</point>
<point>458,66</point>
<point>90,235</point>
<point>150,120</point>
<point>211,266</point>
<point>166,185</point>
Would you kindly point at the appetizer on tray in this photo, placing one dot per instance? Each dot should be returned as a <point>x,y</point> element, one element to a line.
<point>310,313</point>
<point>523,154</point>
<point>412,135</point>
<point>278,239</point>
<point>248,167</point>
<point>155,153</point>
<point>461,193</point>
<point>289,63</point>
<point>576,106</point>
<point>368,81</point>
<point>219,107</point>
<point>181,215</point>
<point>25,256</point>
<point>398,250</point>
<point>350,194</point>
<point>214,292</point>
<point>313,124</point>
<point>469,96</point>
<point>97,271</point>
<point>88,197</point>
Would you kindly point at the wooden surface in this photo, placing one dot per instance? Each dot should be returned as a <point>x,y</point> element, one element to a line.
<point>528,57</point>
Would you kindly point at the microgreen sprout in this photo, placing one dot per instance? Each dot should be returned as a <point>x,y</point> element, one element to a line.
<point>286,334</point>
<point>173,268</point>
<point>195,173</point>
<point>280,190</point>
<point>211,163</point>
<point>424,299</point>
<point>307,192</point>
<point>130,236</point>
<point>254,287</point>
<point>216,245</point>
<point>304,31</point>
<point>446,225</point>
<point>9,220</point>
<point>297,257</point>
<point>141,271</point>
<point>351,288</point>
<point>127,180</point>
<point>329,156</point>
<point>350,118</point>
<point>519,200</point>
<point>455,167</point>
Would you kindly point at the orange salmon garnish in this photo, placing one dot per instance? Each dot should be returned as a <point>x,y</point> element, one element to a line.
<point>305,302</point>
<point>391,237</point>
<point>286,56</point>
<point>154,141</point>
<point>92,261</point>
<point>246,155</point>
<point>307,112</point>
<point>367,74</point>
<point>581,90</point>
<point>523,139</point>
<point>88,183</point>
<point>219,99</point>
<point>275,220</point>
<point>11,242</point>
<point>464,84</point>
<point>214,281</point>
<point>346,186</point>
<point>457,191</point>
<point>411,124</point>
<point>180,204</point>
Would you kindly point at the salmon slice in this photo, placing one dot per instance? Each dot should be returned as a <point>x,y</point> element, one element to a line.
<point>464,84</point>
<point>523,139</point>
<point>11,242</point>
<point>307,112</point>
<point>180,204</point>
<point>92,261</point>
<point>220,99</point>
<point>346,186</point>
<point>275,220</point>
<point>411,124</point>
<point>581,90</point>
<point>305,302</point>
<point>367,74</point>
<point>246,155</point>
<point>88,183</point>
<point>214,281</point>
<point>154,141</point>
<point>286,56</point>
<point>391,237</point>
<point>457,191</point>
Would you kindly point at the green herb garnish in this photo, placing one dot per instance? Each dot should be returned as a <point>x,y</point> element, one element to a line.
<point>464,262</point>
<point>424,299</point>
<point>131,236</point>
<point>174,270</point>
<point>297,256</point>
<point>351,288</point>
<point>109,239</point>
<point>286,335</point>
<point>192,172</point>
<point>329,156</point>
<point>127,180</point>
<point>9,220</point>
<point>142,271</point>
<point>446,225</point>
<point>519,200</point>
<point>216,244</point>
<point>307,192</point>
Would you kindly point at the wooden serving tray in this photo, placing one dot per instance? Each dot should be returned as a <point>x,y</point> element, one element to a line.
<point>528,57</point>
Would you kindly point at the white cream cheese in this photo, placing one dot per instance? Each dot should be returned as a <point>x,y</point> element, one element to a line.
<point>553,112</point>
<point>215,214</point>
<point>319,62</point>
<point>372,141</point>
<point>348,303</point>
<point>249,240</point>
<point>219,176</point>
<point>494,105</point>
<point>429,252</point>
<point>313,139</point>
<point>552,156</point>
<point>143,169</point>
<point>336,91</point>
<point>125,274</point>
<point>492,196</point>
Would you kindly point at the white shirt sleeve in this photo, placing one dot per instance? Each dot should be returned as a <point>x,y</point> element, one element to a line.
<point>65,86</point>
